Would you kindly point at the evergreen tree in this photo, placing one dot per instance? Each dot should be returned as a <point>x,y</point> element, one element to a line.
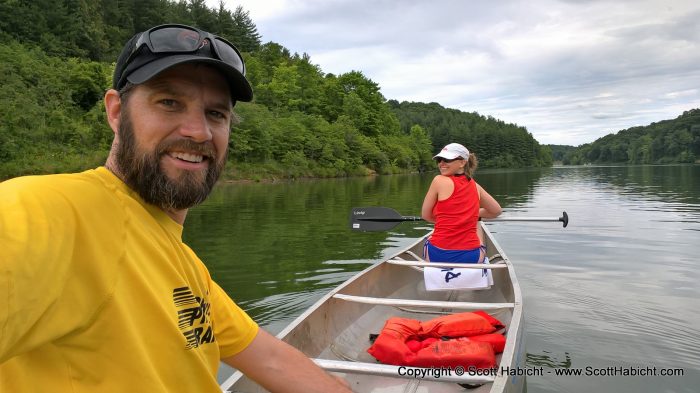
<point>246,34</point>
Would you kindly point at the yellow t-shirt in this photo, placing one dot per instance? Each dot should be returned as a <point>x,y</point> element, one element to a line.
<point>98,293</point>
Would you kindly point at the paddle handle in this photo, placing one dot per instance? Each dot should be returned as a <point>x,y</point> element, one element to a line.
<point>563,219</point>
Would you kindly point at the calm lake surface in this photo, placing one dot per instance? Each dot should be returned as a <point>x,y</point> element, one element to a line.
<point>617,288</point>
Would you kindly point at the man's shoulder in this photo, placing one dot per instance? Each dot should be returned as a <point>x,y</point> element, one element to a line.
<point>71,188</point>
<point>57,181</point>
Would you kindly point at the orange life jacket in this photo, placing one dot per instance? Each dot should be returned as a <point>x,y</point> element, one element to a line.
<point>463,339</point>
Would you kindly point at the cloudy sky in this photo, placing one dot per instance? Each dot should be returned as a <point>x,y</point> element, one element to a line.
<point>570,71</point>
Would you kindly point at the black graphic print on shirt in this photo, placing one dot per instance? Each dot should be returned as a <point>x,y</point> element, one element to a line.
<point>194,317</point>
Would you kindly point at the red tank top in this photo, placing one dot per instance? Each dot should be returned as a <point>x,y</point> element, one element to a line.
<point>456,217</point>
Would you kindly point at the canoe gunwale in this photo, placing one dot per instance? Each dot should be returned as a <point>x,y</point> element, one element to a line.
<point>514,349</point>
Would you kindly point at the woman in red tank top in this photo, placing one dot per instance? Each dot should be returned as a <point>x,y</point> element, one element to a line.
<point>455,202</point>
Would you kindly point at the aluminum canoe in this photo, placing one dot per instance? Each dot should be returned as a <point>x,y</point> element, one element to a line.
<point>335,331</point>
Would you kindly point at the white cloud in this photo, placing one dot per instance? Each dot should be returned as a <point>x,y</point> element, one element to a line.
<point>569,71</point>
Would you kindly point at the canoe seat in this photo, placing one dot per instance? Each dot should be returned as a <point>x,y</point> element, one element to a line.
<point>422,303</point>
<point>497,262</point>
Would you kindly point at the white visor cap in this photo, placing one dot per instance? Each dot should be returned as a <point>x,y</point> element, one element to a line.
<point>452,151</point>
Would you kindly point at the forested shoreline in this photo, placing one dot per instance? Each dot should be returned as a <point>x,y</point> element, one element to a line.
<point>56,62</point>
<point>665,142</point>
<point>57,59</point>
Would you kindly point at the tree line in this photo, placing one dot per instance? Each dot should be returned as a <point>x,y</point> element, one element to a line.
<point>664,142</point>
<point>496,143</point>
<point>57,57</point>
<point>560,151</point>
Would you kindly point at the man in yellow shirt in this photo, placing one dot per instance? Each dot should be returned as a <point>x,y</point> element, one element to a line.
<point>98,293</point>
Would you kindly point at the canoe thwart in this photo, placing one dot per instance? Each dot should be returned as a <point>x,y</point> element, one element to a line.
<point>422,303</point>
<point>448,264</point>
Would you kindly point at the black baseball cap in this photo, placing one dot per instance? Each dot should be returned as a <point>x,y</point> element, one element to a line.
<point>151,52</point>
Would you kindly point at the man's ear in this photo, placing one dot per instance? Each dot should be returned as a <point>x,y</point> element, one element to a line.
<point>113,108</point>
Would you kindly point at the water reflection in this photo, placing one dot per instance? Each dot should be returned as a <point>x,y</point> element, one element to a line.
<point>549,360</point>
<point>512,187</point>
<point>677,185</point>
<point>265,242</point>
<point>617,287</point>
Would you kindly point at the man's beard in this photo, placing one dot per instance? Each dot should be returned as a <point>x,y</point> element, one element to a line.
<point>142,172</point>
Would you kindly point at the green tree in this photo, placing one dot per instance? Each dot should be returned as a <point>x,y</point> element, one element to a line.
<point>368,103</point>
<point>310,81</point>
<point>421,145</point>
<point>283,91</point>
<point>246,33</point>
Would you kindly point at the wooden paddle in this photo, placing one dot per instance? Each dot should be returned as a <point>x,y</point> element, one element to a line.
<point>372,219</point>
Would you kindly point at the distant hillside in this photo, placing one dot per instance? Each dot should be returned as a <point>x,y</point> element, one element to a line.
<point>496,143</point>
<point>559,151</point>
<point>56,61</point>
<point>667,141</point>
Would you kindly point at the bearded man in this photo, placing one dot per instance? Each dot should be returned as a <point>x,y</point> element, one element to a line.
<point>98,293</point>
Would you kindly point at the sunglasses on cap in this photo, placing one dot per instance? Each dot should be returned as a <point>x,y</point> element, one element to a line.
<point>441,159</point>
<point>175,38</point>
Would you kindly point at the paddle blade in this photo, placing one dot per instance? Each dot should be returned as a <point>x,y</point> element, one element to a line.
<point>371,219</point>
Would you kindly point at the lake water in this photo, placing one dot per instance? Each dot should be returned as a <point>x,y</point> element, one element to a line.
<point>617,291</point>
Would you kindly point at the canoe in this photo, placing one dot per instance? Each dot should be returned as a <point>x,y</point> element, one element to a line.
<point>335,331</point>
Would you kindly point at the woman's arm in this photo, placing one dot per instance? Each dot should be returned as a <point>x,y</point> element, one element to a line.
<point>488,206</point>
<point>431,198</point>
